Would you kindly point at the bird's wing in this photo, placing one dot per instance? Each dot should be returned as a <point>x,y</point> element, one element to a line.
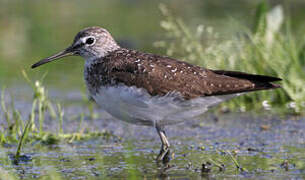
<point>160,75</point>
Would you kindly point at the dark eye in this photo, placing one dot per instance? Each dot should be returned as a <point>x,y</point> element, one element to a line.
<point>90,40</point>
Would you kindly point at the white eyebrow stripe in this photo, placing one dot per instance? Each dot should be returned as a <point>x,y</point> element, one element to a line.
<point>83,39</point>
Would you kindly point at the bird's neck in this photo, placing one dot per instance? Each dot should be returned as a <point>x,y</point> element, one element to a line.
<point>106,48</point>
<point>90,60</point>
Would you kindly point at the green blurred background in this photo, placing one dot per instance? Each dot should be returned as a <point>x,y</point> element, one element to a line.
<point>32,29</point>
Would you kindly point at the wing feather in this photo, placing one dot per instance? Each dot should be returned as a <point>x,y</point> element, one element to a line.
<point>160,75</point>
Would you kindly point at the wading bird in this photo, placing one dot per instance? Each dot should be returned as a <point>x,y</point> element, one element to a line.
<point>152,90</point>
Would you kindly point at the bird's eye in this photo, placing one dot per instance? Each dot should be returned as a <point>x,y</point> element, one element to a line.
<point>90,40</point>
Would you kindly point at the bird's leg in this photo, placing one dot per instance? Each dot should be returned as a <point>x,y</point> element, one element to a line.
<point>164,152</point>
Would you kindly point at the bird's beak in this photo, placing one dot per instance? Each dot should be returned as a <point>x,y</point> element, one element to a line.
<point>70,51</point>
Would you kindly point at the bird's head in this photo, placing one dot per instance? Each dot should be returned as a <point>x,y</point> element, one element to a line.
<point>92,42</point>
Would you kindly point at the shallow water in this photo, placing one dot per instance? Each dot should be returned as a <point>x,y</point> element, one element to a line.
<point>266,146</point>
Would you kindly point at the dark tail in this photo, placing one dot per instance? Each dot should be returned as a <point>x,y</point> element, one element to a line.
<point>261,82</point>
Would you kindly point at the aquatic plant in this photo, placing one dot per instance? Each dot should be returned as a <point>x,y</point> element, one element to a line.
<point>25,133</point>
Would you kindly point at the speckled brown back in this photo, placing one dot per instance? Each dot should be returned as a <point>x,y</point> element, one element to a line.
<point>160,75</point>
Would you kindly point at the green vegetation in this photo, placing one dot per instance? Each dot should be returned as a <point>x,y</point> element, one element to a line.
<point>270,48</point>
<point>31,150</point>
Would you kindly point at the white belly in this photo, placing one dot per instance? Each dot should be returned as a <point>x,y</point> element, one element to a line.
<point>135,105</point>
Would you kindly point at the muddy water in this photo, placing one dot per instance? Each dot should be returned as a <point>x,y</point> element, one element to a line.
<point>266,146</point>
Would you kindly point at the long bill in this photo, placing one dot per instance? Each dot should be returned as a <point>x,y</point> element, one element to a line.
<point>67,52</point>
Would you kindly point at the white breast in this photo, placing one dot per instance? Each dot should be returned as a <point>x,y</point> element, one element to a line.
<point>135,105</point>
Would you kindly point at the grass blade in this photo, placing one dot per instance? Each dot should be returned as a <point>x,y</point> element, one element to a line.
<point>25,133</point>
